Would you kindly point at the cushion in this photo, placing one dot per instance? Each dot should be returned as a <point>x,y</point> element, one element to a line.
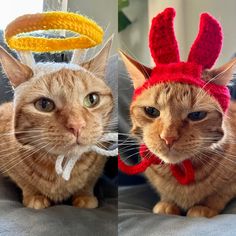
<point>136,217</point>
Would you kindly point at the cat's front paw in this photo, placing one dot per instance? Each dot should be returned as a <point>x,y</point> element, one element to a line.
<point>36,202</point>
<point>201,211</point>
<point>85,202</point>
<point>166,208</point>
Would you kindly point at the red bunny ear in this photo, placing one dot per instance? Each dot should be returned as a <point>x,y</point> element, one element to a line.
<point>162,41</point>
<point>207,46</point>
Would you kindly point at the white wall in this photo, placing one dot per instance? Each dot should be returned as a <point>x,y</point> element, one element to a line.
<point>134,38</point>
<point>104,12</point>
<point>224,11</point>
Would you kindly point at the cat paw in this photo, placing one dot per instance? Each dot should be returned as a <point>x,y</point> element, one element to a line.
<point>201,211</point>
<point>166,208</point>
<point>85,202</point>
<point>36,202</point>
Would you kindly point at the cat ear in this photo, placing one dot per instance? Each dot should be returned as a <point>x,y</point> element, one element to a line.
<point>138,72</point>
<point>16,72</point>
<point>221,75</point>
<point>97,64</point>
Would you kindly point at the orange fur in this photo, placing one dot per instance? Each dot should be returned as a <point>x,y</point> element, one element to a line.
<point>31,139</point>
<point>209,143</point>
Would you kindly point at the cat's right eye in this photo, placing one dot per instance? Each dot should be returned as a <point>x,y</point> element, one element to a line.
<point>152,112</point>
<point>196,116</point>
<point>44,105</point>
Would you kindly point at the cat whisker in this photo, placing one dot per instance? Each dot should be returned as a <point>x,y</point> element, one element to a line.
<point>133,154</point>
<point>20,146</point>
<point>124,149</point>
<point>19,132</point>
<point>41,158</point>
<point>222,155</point>
<point>22,159</point>
<point>30,151</point>
<point>207,160</point>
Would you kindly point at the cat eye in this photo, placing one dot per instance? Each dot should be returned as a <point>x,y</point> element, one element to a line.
<point>91,100</point>
<point>196,116</point>
<point>152,112</point>
<point>44,105</point>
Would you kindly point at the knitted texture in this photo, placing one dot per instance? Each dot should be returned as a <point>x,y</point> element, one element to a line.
<point>164,50</point>
<point>90,34</point>
<point>162,42</point>
<point>184,175</point>
<point>207,46</point>
<point>187,73</point>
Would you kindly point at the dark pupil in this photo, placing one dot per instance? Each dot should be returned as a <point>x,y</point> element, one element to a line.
<point>152,111</point>
<point>92,98</point>
<point>197,115</point>
<point>44,103</point>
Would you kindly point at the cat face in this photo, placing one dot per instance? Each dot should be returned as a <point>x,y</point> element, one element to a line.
<point>59,107</point>
<point>64,109</point>
<point>176,121</point>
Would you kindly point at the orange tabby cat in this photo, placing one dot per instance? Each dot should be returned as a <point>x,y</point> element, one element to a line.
<point>58,109</point>
<point>210,142</point>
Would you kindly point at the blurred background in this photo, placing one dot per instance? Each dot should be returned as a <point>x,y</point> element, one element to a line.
<point>133,36</point>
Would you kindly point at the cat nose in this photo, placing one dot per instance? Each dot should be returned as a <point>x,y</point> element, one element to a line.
<point>169,140</point>
<point>75,127</point>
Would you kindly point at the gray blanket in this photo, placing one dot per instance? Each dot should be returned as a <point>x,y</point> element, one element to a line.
<point>136,217</point>
<point>61,220</point>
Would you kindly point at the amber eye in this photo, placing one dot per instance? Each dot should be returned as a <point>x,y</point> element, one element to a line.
<point>196,116</point>
<point>152,112</point>
<point>44,105</point>
<point>91,100</point>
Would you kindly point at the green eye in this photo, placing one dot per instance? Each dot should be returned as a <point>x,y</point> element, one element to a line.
<point>44,105</point>
<point>196,116</point>
<point>91,100</point>
<point>152,112</point>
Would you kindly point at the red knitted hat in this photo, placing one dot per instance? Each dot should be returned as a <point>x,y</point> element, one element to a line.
<point>203,54</point>
<point>164,50</point>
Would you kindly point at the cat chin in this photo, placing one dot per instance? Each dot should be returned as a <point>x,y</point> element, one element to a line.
<point>78,150</point>
<point>172,160</point>
<point>172,157</point>
<point>74,150</point>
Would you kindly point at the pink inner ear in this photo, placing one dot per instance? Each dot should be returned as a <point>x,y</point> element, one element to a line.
<point>162,41</point>
<point>207,46</point>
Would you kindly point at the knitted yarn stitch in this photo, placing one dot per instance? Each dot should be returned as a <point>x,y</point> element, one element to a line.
<point>90,33</point>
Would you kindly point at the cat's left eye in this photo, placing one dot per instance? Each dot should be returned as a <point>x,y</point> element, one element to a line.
<point>196,116</point>
<point>44,105</point>
<point>91,100</point>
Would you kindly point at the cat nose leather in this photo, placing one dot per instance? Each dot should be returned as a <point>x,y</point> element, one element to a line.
<point>169,140</point>
<point>75,127</point>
